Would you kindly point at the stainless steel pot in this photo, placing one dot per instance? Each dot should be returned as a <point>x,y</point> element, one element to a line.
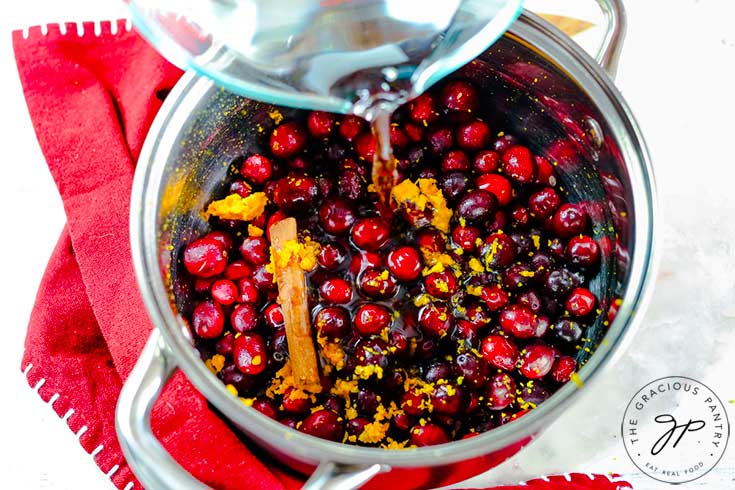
<point>545,88</point>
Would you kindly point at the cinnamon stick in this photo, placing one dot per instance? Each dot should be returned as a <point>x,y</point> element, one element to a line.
<point>294,303</point>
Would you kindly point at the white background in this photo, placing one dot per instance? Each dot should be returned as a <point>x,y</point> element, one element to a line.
<point>677,73</point>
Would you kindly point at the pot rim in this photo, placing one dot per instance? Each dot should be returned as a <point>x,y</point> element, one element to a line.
<point>529,30</point>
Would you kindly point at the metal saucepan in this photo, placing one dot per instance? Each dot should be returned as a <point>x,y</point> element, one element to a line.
<point>544,88</point>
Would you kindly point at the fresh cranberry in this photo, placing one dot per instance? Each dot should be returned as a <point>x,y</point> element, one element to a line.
<point>398,137</point>
<point>487,161</point>
<point>337,215</point>
<point>498,186</point>
<point>494,297</point>
<point>371,319</point>
<point>563,368</point>
<point>500,392</point>
<point>331,256</point>
<point>370,233</point>
<point>500,351</point>
<point>245,317</point>
<point>428,434</point>
<point>518,164</point>
<point>273,316</point>
<point>545,174</point>
<point>569,220</point>
<point>518,321</point>
<point>568,330</point>
<point>288,139</point>
<point>237,269</point>
<point>460,96</point>
<point>295,402</point>
<point>422,110</point>
<point>441,140</point>
<point>244,383</point>
<point>351,185</point>
<point>377,283</point>
<point>559,283</point>
<point>466,331</point>
<point>365,146</point>
<point>224,291</point>
<point>263,279</point>
<point>519,215</point>
<point>266,407</point>
<point>412,401</point>
<point>291,422</point>
<point>536,361</point>
<point>320,124</point>
<point>544,202</point>
<point>257,169</point>
<point>296,192</point>
<point>404,263</point>
<point>336,291</point>
<point>473,136</point>
<point>250,353</point>
<point>455,160</point>
<point>441,285</point>
<point>453,185</point>
<point>356,426</point>
<point>414,132</point>
<point>364,261</point>
<point>438,371</point>
<point>580,302</point>
<point>543,323</point>
<point>372,352</point>
<point>435,319</point>
<point>241,188</point>
<point>518,276</point>
<point>582,251</point>
<point>430,241</point>
<point>351,126</point>
<point>208,320</point>
<point>499,250</point>
<point>531,300</point>
<point>467,237</point>
<point>473,369</point>
<point>504,143</point>
<point>478,314</point>
<point>205,257</point>
<point>447,399</point>
<point>255,250</point>
<point>477,205</point>
<point>333,322</point>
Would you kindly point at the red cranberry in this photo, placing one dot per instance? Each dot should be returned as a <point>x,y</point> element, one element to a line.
<point>225,345</point>
<point>263,279</point>
<point>291,422</point>
<point>499,250</point>
<point>377,283</point>
<point>404,263</point>
<point>518,321</point>
<point>336,291</point>
<point>350,127</point>
<point>518,276</point>
<point>371,319</point>
<point>208,320</point>
<point>441,285</point>
<point>519,215</point>
<point>320,124</point>
<point>414,132</point>
<point>370,233</point>
<point>500,351</point>
<point>428,435</point>
<point>224,291</point>
<point>487,161</point>
<point>544,202</point>
<point>244,383</point>
<point>411,402</point>
<point>504,143</point>
<point>351,185</point>
<point>447,399</point>
<point>365,146</point>
<point>455,160</point>
<point>333,322</point>
<point>244,317</point>
<point>331,256</point>
<point>475,370</point>
<point>569,220</point>
<point>582,251</point>
<point>466,331</point>
<point>241,188</point>
<point>477,205</point>
<point>441,140</point>
<point>531,300</point>
<point>222,237</point>
<point>467,237</point>
<point>563,368</point>
<point>257,169</point>
<point>299,163</point>
<point>542,326</point>
<point>250,353</point>
<point>430,241</point>
<point>568,330</point>
<point>500,392</point>
<point>237,269</point>
<point>398,137</point>
<point>205,257</point>
<point>255,250</point>
<point>288,139</point>
<point>460,96</point>
<point>296,192</point>
<point>364,261</point>
<point>494,297</point>
<point>202,285</point>
<point>337,215</point>
<point>266,407</point>
<point>372,352</point>
<point>294,402</point>
<point>544,171</point>
<point>580,302</point>
<point>453,185</point>
<point>438,371</point>
<point>421,109</point>
<point>356,426</point>
<point>498,186</point>
<point>435,319</point>
<point>559,283</point>
<point>478,314</point>
<point>518,164</point>
<point>536,361</point>
<point>273,316</point>
<point>474,135</point>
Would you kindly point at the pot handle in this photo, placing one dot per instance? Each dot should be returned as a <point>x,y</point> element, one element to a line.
<point>152,464</point>
<point>608,54</point>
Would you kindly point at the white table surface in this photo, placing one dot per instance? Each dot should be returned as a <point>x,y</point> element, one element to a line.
<point>677,73</point>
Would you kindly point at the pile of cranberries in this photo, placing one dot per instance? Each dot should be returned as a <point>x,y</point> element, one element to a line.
<point>463,346</point>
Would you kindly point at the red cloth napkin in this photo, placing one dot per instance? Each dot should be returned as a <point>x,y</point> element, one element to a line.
<point>92,98</point>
